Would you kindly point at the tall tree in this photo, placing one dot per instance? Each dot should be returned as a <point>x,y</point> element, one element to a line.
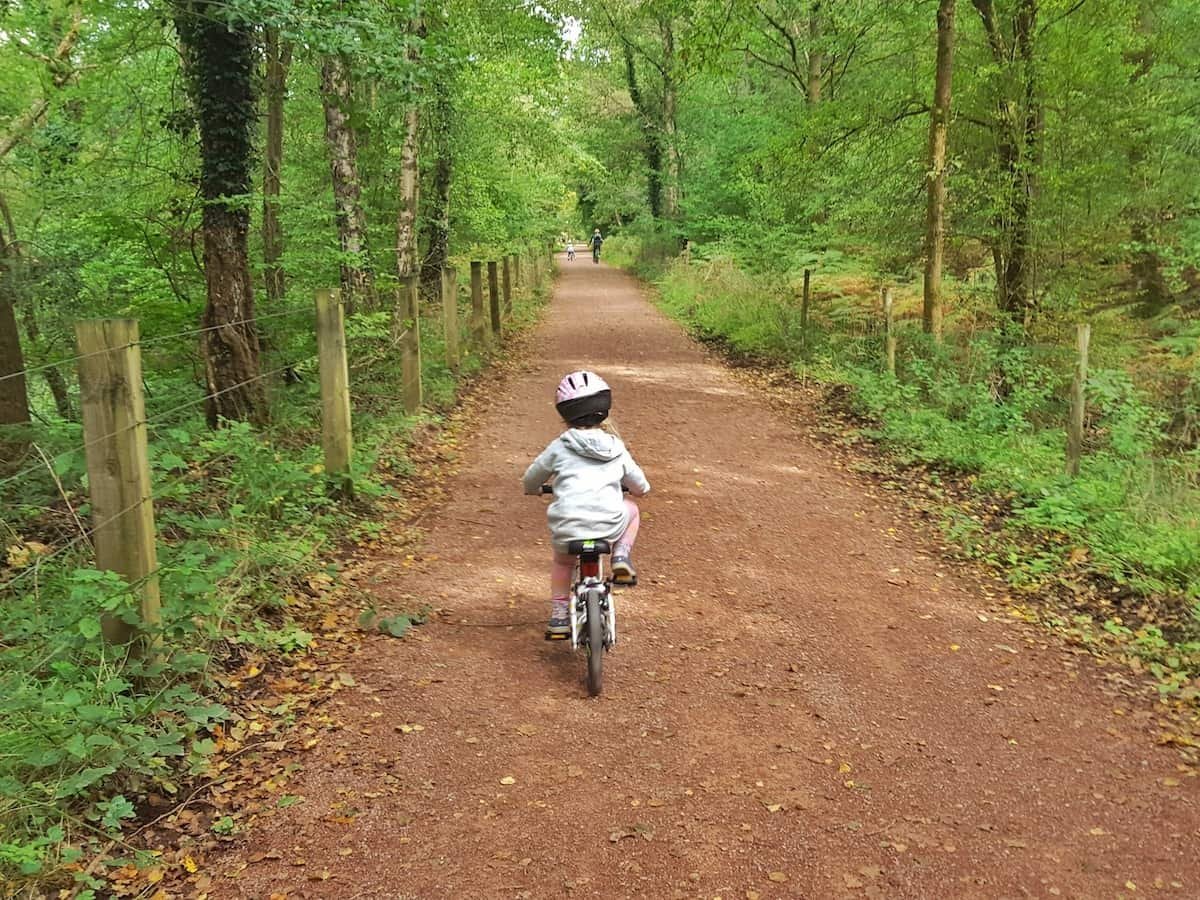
<point>219,57</point>
<point>935,216</point>
<point>651,134</point>
<point>410,164</point>
<point>437,221</point>
<point>816,58</point>
<point>670,106</point>
<point>1017,128</point>
<point>278,52</point>
<point>14,389</point>
<point>358,278</point>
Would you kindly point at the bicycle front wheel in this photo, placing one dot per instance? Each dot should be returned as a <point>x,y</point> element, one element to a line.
<point>595,644</point>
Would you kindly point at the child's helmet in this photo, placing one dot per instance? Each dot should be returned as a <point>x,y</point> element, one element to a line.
<point>583,397</point>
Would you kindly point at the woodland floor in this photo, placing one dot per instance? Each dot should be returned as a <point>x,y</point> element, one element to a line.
<point>806,700</point>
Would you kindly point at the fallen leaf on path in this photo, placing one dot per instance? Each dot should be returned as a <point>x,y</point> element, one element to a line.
<point>1097,832</point>
<point>508,779</point>
<point>852,881</point>
<point>527,730</point>
<point>778,877</point>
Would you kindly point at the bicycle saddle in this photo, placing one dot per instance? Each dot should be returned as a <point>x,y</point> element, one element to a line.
<point>590,548</point>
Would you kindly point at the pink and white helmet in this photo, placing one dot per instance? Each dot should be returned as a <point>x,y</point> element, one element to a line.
<point>583,397</point>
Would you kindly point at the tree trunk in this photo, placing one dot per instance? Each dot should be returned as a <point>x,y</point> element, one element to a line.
<point>14,396</point>
<point>651,136</point>
<point>1018,136</point>
<point>1146,265</point>
<point>358,281</point>
<point>410,186</point>
<point>935,217</point>
<point>816,58</point>
<point>219,63</point>
<point>670,101</point>
<point>437,225</point>
<point>279,60</point>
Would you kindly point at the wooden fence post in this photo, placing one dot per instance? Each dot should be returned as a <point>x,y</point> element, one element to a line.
<point>114,430</point>
<point>410,344</point>
<point>479,329</point>
<point>1083,336</point>
<point>450,316</point>
<point>336,437</point>
<point>889,332</point>
<point>494,295</point>
<point>507,285</point>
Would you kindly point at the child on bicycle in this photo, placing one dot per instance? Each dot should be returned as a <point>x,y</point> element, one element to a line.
<point>589,465</point>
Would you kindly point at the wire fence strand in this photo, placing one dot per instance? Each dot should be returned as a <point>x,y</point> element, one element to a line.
<point>156,339</point>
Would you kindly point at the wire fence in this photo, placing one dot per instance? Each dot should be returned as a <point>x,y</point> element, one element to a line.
<point>108,454</point>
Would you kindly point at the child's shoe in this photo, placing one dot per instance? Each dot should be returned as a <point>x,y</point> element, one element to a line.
<point>622,569</point>
<point>560,621</point>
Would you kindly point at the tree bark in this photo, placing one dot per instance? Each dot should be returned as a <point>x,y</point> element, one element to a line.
<point>651,136</point>
<point>1018,134</point>
<point>670,100</point>
<point>279,60</point>
<point>437,225</point>
<point>358,281</point>
<point>14,396</point>
<point>1146,265</point>
<point>816,58</point>
<point>410,176</point>
<point>219,53</point>
<point>935,217</point>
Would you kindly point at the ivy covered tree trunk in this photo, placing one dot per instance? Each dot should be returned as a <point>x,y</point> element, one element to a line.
<point>358,280</point>
<point>935,216</point>
<point>651,134</point>
<point>1017,132</point>
<point>279,60</point>
<point>219,58</point>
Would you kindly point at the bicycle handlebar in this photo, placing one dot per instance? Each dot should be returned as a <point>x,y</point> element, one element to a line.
<point>549,489</point>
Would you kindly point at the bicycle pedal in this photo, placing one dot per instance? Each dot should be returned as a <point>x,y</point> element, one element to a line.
<point>630,581</point>
<point>551,636</point>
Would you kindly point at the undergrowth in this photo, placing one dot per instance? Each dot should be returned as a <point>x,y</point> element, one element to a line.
<point>247,526</point>
<point>989,410</point>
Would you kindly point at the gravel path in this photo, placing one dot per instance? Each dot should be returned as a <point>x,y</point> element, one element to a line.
<point>805,702</point>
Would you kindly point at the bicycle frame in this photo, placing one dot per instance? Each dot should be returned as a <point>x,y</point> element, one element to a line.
<point>589,578</point>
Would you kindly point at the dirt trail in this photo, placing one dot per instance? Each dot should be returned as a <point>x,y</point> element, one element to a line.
<point>805,701</point>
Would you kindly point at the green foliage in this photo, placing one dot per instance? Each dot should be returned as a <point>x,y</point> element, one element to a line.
<point>1133,508</point>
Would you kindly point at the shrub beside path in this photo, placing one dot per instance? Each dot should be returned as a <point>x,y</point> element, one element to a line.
<point>805,700</point>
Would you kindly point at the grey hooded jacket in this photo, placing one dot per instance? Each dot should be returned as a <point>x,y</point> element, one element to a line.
<point>588,465</point>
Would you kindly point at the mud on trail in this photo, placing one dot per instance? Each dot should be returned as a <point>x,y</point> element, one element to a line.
<point>805,701</point>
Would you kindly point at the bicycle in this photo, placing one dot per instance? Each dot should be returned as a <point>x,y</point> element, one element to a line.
<point>570,254</point>
<point>595,253</point>
<point>591,607</point>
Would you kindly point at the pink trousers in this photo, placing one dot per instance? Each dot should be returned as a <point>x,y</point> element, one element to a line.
<point>563,566</point>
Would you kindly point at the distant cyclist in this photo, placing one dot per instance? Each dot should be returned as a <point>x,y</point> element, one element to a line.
<point>570,250</point>
<point>596,241</point>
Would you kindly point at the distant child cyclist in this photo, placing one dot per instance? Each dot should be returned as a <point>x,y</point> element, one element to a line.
<point>589,465</point>
<point>596,241</point>
<point>570,250</point>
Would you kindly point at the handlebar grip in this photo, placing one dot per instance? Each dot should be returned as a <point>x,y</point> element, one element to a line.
<point>547,489</point>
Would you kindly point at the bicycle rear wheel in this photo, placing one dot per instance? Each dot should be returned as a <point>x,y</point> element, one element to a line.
<point>595,644</point>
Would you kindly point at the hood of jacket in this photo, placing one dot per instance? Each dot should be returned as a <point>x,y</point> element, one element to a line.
<point>593,443</point>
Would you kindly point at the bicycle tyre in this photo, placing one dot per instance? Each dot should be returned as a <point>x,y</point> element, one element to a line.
<point>595,644</point>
